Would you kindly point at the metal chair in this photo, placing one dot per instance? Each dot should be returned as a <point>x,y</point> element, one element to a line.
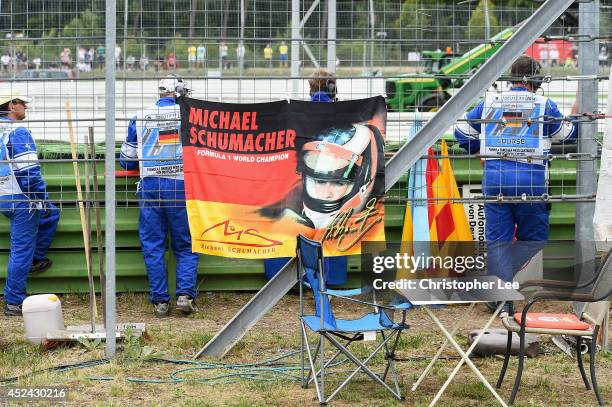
<point>595,292</point>
<point>341,333</point>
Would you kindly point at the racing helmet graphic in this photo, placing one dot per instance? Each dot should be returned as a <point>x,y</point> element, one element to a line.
<point>339,168</point>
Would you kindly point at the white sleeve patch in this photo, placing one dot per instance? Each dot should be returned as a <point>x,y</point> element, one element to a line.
<point>465,128</point>
<point>25,161</point>
<point>564,132</point>
<point>129,151</point>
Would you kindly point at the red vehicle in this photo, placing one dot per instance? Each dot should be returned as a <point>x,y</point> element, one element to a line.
<point>552,52</point>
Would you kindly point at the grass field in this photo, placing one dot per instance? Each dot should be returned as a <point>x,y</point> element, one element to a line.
<point>549,380</point>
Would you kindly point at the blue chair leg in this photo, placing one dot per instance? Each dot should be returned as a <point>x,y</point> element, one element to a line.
<point>323,401</point>
<point>312,363</point>
<point>390,356</point>
<point>314,358</point>
<point>302,361</point>
<point>333,358</point>
<point>389,353</point>
<point>361,366</point>
<point>387,357</point>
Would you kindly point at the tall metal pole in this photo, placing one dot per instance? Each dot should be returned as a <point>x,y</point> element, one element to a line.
<point>241,49</point>
<point>486,20</point>
<point>331,35</point>
<point>109,171</point>
<point>371,68</point>
<point>295,48</point>
<point>192,14</point>
<point>586,176</point>
<point>125,25</point>
<point>603,218</point>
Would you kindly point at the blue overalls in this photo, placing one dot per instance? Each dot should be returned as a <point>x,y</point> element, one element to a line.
<point>161,196</point>
<point>22,192</point>
<point>496,125</point>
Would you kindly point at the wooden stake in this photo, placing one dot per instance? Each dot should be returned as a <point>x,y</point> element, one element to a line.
<point>87,204</point>
<point>93,311</point>
<point>99,238</point>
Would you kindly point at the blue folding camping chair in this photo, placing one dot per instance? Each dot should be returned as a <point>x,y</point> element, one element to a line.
<point>341,333</point>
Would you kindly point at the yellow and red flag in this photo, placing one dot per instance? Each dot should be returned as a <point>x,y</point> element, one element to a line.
<point>441,220</point>
<point>447,220</point>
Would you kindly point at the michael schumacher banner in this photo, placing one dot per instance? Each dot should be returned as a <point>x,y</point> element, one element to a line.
<point>256,175</point>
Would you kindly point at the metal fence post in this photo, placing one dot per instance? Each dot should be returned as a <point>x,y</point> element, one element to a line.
<point>371,47</point>
<point>109,171</point>
<point>241,53</point>
<point>295,47</point>
<point>587,99</point>
<point>586,170</point>
<point>331,35</point>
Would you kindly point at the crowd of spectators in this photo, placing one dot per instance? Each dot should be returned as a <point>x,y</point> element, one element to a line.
<point>269,55</point>
<point>86,59</point>
<point>13,61</point>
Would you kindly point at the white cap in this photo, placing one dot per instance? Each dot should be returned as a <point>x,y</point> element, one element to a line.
<point>12,95</point>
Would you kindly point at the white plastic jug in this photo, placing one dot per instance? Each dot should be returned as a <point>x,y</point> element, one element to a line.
<point>42,313</point>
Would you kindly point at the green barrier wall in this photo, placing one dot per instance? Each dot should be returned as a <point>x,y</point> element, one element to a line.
<point>69,274</point>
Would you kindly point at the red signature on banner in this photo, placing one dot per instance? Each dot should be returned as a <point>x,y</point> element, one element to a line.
<point>241,237</point>
<point>341,226</point>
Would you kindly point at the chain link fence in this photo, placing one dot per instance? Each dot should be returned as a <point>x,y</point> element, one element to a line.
<point>241,51</point>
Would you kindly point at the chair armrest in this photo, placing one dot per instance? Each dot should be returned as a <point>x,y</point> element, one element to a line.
<point>570,285</point>
<point>561,296</point>
<point>342,297</point>
<point>344,292</point>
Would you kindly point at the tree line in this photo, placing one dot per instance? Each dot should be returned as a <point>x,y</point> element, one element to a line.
<point>158,27</point>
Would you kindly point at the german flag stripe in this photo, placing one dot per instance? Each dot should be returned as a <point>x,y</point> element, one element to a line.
<point>172,138</point>
<point>513,119</point>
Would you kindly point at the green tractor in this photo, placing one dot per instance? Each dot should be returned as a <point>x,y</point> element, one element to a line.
<point>443,71</point>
